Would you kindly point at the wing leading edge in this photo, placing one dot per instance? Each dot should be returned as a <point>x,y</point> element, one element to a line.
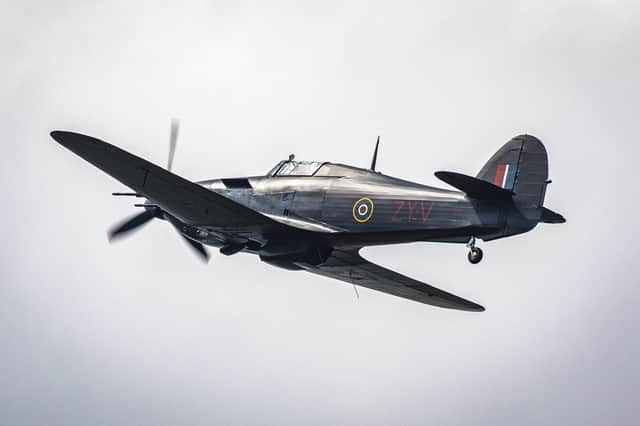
<point>187,201</point>
<point>350,267</point>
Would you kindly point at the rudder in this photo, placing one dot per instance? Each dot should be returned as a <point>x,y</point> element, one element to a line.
<point>521,165</point>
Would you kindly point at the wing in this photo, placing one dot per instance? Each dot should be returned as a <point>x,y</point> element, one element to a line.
<point>350,267</point>
<point>187,201</point>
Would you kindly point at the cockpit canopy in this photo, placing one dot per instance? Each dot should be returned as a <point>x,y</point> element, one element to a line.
<point>295,168</point>
<point>318,169</point>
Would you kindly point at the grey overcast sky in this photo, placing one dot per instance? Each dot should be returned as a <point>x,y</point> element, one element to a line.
<point>141,333</point>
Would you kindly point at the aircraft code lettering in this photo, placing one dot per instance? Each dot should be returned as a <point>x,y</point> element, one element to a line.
<point>411,211</point>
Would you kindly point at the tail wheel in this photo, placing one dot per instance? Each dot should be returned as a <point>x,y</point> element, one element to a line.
<point>475,255</point>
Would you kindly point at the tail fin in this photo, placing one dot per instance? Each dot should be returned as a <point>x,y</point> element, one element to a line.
<point>521,166</point>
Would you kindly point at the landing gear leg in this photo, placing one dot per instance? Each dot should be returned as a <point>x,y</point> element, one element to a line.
<point>475,253</point>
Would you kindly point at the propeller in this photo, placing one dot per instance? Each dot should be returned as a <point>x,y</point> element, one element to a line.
<point>173,140</point>
<point>197,246</point>
<point>154,212</point>
<point>132,223</point>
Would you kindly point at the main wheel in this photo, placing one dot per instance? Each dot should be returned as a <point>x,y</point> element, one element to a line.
<point>475,255</point>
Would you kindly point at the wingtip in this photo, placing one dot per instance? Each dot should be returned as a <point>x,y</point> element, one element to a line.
<point>471,307</point>
<point>61,136</point>
<point>56,135</point>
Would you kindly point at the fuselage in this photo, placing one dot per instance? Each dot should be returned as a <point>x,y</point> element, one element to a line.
<point>352,207</point>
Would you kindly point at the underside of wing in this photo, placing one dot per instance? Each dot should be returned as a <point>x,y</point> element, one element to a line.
<point>187,201</point>
<point>350,267</point>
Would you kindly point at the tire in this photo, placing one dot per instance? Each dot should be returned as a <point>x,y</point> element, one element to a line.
<point>475,255</point>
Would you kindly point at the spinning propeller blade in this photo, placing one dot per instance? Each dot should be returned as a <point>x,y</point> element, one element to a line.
<point>131,223</point>
<point>198,248</point>
<point>173,140</point>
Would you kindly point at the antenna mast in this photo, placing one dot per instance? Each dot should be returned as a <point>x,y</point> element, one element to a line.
<point>375,156</point>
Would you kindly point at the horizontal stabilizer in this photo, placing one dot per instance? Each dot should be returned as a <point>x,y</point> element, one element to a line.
<point>474,187</point>
<point>549,216</point>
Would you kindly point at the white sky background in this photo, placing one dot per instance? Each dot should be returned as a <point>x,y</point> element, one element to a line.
<point>141,333</point>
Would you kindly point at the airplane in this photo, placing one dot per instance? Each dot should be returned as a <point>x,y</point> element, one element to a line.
<point>316,216</point>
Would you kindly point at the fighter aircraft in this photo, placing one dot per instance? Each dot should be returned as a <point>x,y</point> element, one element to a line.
<point>316,216</point>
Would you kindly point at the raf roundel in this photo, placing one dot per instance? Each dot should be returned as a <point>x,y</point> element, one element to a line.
<point>363,210</point>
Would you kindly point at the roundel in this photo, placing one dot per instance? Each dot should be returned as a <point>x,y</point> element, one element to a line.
<point>363,209</point>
